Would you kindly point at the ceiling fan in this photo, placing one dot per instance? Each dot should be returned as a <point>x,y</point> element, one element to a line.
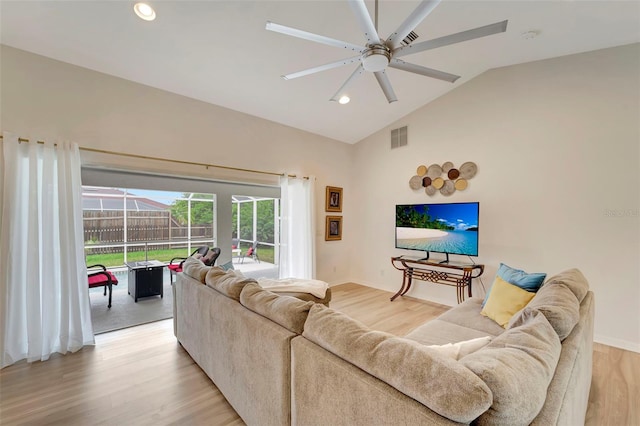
<point>378,54</point>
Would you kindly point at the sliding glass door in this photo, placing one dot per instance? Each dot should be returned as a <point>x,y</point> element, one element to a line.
<point>124,225</point>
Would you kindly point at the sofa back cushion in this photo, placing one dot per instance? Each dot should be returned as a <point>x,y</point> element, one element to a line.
<point>517,366</point>
<point>289,312</point>
<point>195,268</point>
<point>230,283</point>
<point>440,383</point>
<point>557,303</point>
<point>574,280</point>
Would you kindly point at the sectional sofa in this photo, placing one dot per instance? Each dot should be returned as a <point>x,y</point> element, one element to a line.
<point>279,360</point>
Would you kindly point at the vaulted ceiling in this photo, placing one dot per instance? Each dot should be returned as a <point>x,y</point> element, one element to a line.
<point>219,51</point>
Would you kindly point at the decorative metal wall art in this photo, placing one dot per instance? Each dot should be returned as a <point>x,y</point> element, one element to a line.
<point>445,179</point>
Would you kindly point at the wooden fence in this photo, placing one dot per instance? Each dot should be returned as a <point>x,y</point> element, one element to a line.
<point>107,228</point>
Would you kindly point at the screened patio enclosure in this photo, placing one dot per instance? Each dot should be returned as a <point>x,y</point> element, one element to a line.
<point>256,220</point>
<point>124,225</point>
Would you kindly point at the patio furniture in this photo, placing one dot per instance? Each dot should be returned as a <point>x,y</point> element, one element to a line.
<point>212,255</point>
<point>174,268</point>
<point>252,252</point>
<point>236,251</point>
<point>145,279</point>
<point>99,276</point>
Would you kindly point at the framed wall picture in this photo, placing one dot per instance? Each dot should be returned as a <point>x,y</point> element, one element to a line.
<point>333,202</point>
<point>333,228</point>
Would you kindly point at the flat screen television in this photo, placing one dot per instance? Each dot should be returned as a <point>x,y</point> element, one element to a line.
<point>450,228</point>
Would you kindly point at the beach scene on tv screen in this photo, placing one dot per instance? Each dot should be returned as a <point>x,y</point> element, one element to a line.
<point>443,228</point>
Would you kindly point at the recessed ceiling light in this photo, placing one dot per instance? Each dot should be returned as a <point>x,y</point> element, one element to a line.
<point>344,100</point>
<point>144,11</point>
<point>528,35</point>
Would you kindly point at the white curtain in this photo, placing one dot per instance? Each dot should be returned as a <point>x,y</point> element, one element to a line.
<point>297,234</point>
<point>44,296</point>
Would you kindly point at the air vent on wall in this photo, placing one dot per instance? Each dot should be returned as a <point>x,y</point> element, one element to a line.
<point>398,137</point>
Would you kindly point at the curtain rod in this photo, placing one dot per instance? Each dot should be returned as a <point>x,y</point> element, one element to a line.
<point>190,163</point>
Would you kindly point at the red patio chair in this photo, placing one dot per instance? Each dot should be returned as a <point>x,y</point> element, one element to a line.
<point>101,277</point>
<point>252,252</point>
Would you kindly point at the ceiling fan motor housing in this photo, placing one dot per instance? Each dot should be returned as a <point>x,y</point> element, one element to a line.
<point>376,58</point>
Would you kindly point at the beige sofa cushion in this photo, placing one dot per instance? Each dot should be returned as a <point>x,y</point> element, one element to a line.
<point>438,332</point>
<point>307,297</point>
<point>557,303</point>
<point>517,366</point>
<point>440,383</point>
<point>195,268</point>
<point>230,283</point>
<point>467,314</point>
<point>574,280</point>
<point>289,312</point>
<point>463,348</point>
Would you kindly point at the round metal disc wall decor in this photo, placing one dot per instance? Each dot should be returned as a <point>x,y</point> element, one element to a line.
<point>468,170</point>
<point>453,173</point>
<point>430,190</point>
<point>434,171</point>
<point>448,188</point>
<point>415,182</point>
<point>437,183</point>
<point>461,184</point>
<point>432,180</point>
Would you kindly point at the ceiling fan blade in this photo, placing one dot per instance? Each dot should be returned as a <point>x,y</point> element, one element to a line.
<point>498,27</point>
<point>361,13</point>
<point>419,69</point>
<point>385,85</point>
<point>271,26</point>
<point>411,22</point>
<point>319,68</point>
<point>342,90</point>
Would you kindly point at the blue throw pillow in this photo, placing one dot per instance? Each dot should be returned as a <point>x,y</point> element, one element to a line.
<point>518,277</point>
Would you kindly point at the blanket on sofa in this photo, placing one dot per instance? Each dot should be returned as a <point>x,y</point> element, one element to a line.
<point>288,285</point>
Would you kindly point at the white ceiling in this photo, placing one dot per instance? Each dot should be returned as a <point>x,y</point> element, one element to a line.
<point>219,51</point>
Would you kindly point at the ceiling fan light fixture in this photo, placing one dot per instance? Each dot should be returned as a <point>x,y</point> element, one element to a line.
<point>344,99</point>
<point>144,11</point>
<point>376,58</point>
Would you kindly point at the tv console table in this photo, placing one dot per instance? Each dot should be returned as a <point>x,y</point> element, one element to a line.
<point>458,275</point>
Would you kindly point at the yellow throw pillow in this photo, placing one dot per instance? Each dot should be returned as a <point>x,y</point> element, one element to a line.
<point>504,301</point>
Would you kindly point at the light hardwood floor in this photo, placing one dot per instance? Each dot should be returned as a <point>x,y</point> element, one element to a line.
<point>141,376</point>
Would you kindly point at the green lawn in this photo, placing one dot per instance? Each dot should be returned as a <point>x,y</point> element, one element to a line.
<point>111,260</point>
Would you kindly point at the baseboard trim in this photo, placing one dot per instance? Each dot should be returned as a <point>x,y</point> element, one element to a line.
<point>617,343</point>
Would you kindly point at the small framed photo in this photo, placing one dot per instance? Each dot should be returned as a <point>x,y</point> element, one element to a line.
<point>333,228</point>
<point>333,202</point>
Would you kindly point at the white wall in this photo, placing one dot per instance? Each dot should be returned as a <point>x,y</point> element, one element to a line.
<point>556,143</point>
<point>46,99</point>
<point>557,148</point>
